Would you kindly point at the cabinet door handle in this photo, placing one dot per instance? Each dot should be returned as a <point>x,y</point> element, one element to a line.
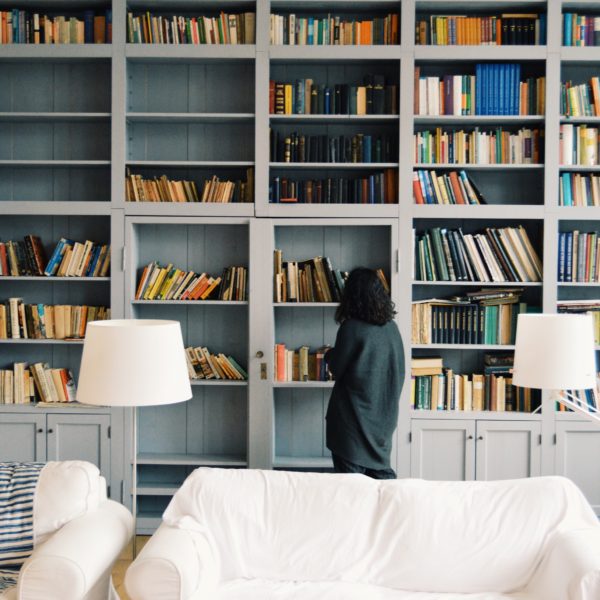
<point>480,437</point>
<point>40,430</point>
<point>50,430</point>
<point>260,354</point>
<point>469,437</point>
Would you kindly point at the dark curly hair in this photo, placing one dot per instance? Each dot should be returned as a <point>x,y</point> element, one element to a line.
<point>365,299</point>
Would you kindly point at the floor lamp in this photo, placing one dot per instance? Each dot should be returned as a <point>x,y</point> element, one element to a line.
<point>556,352</point>
<point>131,363</point>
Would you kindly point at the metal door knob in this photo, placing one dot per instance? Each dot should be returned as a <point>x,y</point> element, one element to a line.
<point>260,354</point>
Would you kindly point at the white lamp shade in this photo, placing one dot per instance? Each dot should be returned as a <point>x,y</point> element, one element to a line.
<point>555,351</point>
<point>133,362</point>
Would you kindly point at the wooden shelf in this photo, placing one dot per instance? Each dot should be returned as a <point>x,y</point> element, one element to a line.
<point>193,460</point>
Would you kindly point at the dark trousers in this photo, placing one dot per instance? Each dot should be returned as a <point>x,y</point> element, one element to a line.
<point>342,465</point>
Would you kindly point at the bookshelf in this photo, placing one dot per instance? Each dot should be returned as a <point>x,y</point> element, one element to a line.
<point>194,111</point>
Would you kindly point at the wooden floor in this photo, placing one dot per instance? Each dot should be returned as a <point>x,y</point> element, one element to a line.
<point>123,563</point>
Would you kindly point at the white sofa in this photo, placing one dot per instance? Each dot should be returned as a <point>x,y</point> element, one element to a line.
<point>263,535</point>
<point>78,535</point>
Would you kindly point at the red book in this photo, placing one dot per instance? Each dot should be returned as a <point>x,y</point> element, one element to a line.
<point>417,194</point>
<point>271,97</point>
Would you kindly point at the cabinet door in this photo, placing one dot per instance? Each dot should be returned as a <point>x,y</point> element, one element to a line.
<point>80,437</point>
<point>508,449</point>
<point>577,451</point>
<point>442,450</point>
<point>22,437</point>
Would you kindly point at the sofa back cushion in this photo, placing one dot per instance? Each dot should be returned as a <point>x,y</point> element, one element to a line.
<point>462,537</point>
<point>66,490</point>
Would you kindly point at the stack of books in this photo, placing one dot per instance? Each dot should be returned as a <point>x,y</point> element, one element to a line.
<point>495,254</point>
<point>305,97</point>
<point>163,189</point>
<point>176,29</point>
<point>47,322</point>
<point>204,365</point>
<point>580,100</point>
<point>453,187</point>
<point>579,256</point>
<point>487,316</point>
<point>478,147</point>
<point>507,29</point>
<point>313,280</point>
<point>78,259</point>
<point>38,382</point>
<point>495,89</point>
<point>299,30</point>
<point>171,283</point>
<point>26,27</point>
<point>301,364</point>
<point>434,387</point>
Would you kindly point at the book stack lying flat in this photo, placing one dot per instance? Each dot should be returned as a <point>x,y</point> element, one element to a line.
<point>453,187</point>
<point>586,307</point>
<point>305,97</point>
<point>79,259</point>
<point>299,30</point>
<point>47,322</point>
<point>495,254</point>
<point>204,365</point>
<point>176,29</point>
<point>171,283</point>
<point>434,387</point>
<point>482,317</point>
<point>301,364</point>
<point>507,29</point>
<point>495,89</point>
<point>579,256</point>
<point>313,280</point>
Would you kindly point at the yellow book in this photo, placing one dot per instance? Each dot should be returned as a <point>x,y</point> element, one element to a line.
<point>288,98</point>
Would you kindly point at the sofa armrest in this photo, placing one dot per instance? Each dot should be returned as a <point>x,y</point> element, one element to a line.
<point>571,568</point>
<point>78,558</point>
<point>175,564</point>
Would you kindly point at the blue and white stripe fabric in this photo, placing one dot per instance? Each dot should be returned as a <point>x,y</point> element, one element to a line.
<point>18,482</point>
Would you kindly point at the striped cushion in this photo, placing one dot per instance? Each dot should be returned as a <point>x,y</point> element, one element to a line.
<point>18,482</point>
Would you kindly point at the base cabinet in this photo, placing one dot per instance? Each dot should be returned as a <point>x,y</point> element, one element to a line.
<point>577,451</point>
<point>30,437</point>
<point>463,450</point>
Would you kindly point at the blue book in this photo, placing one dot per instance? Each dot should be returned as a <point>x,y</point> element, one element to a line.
<point>88,26</point>
<point>483,110</point>
<point>300,108</point>
<point>310,32</point>
<point>93,261</point>
<point>517,87</point>
<point>367,149</point>
<point>561,256</point>
<point>478,89</point>
<point>371,189</point>
<point>569,265</point>
<point>42,319</point>
<point>327,102</point>
<point>543,28</point>
<point>568,29</point>
<point>57,256</point>
<point>503,89</point>
<point>428,186</point>
<point>568,190</point>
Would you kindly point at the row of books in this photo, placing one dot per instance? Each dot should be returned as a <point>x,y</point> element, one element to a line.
<point>577,189</point>
<point>376,188</point>
<point>148,28</point>
<point>495,89</point>
<point>579,256</point>
<point>301,364</point>
<point>79,259</point>
<point>496,254</point>
<point>581,100</point>
<point>300,30</point>
<point>202,364</point>
<point>508,29</point>
<point>27,257</point>
<point>435,387</point>
<point>163,189</point>
<point>497,146</point>
<point>43,321</point>
<point>588,307</point>
<point>585,398</point>
<point>37,382</point>
<point>358,148</point>
<point>305,97</point>
<point>481,317</point>
<point>581,30</point>
<point>171,283</point>
<point>578,145</point>
<point>26,27</point>
<point>454,187</point>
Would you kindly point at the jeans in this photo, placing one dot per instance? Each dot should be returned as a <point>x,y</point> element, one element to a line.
<point>342,465</point>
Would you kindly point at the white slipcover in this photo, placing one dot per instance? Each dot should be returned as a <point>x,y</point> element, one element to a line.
<point>239,534</point>
<point>78,535</point>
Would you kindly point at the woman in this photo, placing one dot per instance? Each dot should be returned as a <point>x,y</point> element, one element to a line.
<point>368,365</point>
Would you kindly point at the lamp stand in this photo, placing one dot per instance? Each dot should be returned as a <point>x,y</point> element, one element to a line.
<point>134,482</point>
<point>575,404</point>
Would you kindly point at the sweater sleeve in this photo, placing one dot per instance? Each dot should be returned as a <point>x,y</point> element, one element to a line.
<point>340,356</point>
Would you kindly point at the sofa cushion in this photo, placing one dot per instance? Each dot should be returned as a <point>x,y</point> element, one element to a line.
<point>65,490</point>
<point>474,536</point>
<point>243,589</point>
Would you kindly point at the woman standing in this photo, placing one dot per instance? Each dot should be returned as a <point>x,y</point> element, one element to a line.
<point>368,365</point>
